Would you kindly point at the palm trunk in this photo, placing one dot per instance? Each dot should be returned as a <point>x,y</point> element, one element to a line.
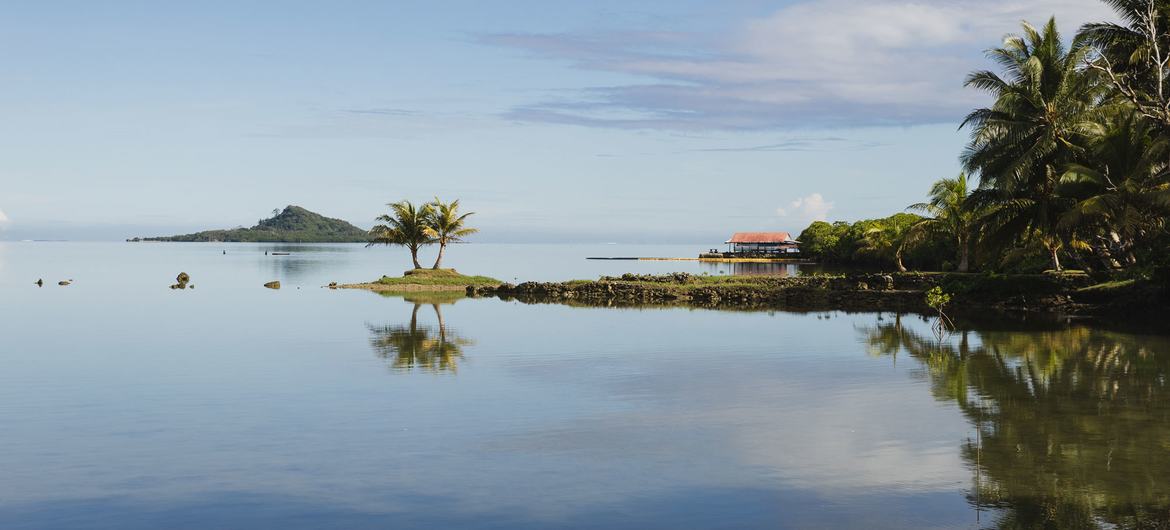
<point>964,254</point>
<point>898,259</point>
<point>439,259</point>
<point>414,257</point>
<point>1055,258</point>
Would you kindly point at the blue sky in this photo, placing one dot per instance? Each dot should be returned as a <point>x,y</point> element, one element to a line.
<point>670,121</point>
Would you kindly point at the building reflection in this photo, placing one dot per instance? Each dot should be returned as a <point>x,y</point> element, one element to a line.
<point>1073,425</point>
<point>414,346</point>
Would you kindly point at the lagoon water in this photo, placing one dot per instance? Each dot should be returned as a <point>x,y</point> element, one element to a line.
<point>124,404</point>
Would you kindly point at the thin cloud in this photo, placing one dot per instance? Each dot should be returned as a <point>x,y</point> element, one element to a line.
<point>827,64</point>
<point>4,218</point>
<point>384,112</point>
<point>828,143</point>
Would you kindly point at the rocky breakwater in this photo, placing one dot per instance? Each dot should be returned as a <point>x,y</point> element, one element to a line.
<point>1053,293</point>
<point>863,292</point>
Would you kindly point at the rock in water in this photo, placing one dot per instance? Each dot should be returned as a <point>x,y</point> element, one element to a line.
<point>183,278</point>
<point>40,282</point>
<point>64,282</point>
<point>272,285</point>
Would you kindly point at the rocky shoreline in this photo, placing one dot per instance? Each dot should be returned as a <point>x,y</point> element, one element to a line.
<point>1071,294</point>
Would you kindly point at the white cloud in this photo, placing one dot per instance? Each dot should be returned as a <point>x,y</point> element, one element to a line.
<point>3,218</point>
<point>832,62</point>
<point>808,209</point>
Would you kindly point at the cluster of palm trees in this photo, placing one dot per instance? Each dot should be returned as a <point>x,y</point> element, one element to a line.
<point>414,227</point>
<point>1072,156</point>
<point>1072,159</point>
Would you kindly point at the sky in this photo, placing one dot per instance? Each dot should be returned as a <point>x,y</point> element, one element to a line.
<point>602,121</point>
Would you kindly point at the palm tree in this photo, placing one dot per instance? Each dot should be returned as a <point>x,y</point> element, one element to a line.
<point>886,240</point>
<point>1122,188</point>
<point>408,226</point>
<point>1134,56</point>
<point>949,217</point>
<point>445,225</point>
<point>1042,112</point>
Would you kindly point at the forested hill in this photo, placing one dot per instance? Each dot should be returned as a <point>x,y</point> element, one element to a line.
<point>293,225</point>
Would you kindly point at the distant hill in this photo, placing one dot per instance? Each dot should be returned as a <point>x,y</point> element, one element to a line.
<point>293,225</point>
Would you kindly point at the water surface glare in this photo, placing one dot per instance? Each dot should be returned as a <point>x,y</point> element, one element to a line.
<point>124,404</point>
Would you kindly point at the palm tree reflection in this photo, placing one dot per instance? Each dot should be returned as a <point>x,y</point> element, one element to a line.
<point>422,347</point>
<point>1073,425</point>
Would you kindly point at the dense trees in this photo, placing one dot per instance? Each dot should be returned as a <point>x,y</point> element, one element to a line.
<point>1072,158</point>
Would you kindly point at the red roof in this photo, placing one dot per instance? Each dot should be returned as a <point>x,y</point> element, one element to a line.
<point>760,237</point>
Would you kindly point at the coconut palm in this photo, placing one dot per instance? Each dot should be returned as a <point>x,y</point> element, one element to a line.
<point>1134,55</point>
<point>1044,107</point>
<point>1122,188</point>
<point>406,225</point>
<point>446,225</point>
<point>949,217</point>
<point>886,240</point>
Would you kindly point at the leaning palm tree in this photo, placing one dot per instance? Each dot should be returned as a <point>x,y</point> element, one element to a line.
<point>949,217</point>
<point>445,225</point>
<point>406,225</point>
<point>1045,106</point>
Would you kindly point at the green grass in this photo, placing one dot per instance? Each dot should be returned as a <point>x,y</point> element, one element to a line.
<point>437,277</point>
<point>1107,286</point>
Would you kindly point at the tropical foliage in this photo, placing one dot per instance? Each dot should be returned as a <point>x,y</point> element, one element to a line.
<point>406,225</point>
<point>417,226</point>
<point>446,225</point>
<point>1071,160</point>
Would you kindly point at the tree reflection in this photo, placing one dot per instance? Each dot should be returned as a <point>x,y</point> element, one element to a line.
<point>1073,424</point>
<point>415,346</point>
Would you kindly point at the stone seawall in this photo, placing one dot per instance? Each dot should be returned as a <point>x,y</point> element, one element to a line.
<point>853,292</point>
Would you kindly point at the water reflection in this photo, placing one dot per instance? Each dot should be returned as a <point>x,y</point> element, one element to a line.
<point>299,263</point>
<point>414,346</point>
<point>1073,425</point>
<point>750,268</point>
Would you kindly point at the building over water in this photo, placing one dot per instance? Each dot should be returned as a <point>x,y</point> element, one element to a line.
<point>762,243</point>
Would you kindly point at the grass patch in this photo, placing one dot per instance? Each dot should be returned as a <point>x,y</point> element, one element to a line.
<point>1107,286</point>
<point>446,277</point>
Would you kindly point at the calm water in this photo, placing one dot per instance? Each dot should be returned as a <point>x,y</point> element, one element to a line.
<point>124,404</point>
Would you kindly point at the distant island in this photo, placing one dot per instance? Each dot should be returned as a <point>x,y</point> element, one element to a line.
<point>293,225</point>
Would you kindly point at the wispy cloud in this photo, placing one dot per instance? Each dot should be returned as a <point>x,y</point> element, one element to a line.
<point>798,144</point>
<point>384,112</point>
<point>828,63</point>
